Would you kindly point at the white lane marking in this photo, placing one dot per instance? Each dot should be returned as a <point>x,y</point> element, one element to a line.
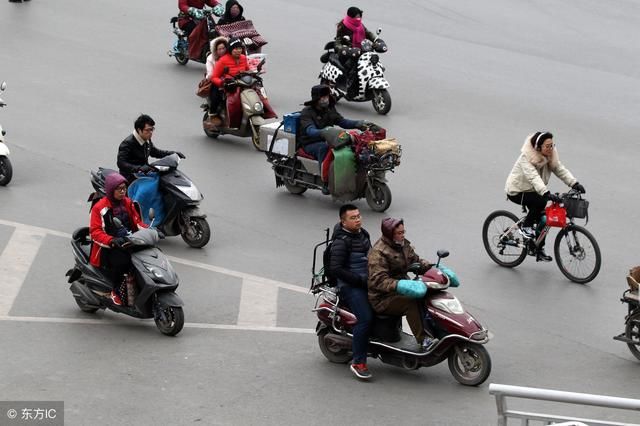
<point>242,275</point>
<point>258,304</point>
<point>15,261</point>
<point>180,260</point>
<point>141,323</point>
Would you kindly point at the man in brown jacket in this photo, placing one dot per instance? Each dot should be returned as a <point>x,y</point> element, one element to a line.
<point>388,263</point>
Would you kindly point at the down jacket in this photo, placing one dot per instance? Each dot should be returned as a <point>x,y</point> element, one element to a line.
<point>532,171</point>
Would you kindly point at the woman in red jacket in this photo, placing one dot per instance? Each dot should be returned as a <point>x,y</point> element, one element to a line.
<point>108,238</point>
<point>228,66</point>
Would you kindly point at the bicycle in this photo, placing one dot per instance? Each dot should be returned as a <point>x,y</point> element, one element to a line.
<point>576,250</point>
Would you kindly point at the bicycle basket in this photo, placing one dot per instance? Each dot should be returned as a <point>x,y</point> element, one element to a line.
<point>576,207</point>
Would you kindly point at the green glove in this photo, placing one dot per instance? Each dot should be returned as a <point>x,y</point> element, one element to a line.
<point>411,288</point>
<point>218,10</point>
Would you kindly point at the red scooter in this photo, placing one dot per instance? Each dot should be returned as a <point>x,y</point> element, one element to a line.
<point>461,335</point>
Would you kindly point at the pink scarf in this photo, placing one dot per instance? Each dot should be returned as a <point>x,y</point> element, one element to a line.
<point>356,26</point>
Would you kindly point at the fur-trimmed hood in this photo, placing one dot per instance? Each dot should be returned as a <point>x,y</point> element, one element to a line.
<point>214,42</point>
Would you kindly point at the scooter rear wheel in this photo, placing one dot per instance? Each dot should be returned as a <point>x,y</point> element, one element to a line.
<point>333,353</point>
<point>6,170</point>
<point>632,332</point>
<point>173,322</point>
<point>470,364</point>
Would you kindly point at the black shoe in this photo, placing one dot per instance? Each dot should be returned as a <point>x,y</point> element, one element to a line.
<point>325,189</point>
<point>541,256</point>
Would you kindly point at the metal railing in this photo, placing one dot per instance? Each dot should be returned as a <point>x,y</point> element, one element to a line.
<point>501,392</point>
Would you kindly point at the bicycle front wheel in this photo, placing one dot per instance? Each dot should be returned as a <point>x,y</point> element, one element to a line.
<point>577,254</point>
<point>501,239</point>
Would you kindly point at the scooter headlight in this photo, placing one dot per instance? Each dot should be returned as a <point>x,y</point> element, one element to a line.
<point>258,106</point>
<point>453,306</point>
<point>156,273</point>
<point>190,191</point>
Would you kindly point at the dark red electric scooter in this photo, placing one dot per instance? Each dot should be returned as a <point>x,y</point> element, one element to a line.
<point>461,336</point>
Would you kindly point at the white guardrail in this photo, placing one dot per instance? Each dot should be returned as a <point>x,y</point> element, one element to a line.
<point>501,392</point>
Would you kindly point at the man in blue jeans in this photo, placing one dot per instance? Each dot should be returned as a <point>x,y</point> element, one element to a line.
<point>348,263</point>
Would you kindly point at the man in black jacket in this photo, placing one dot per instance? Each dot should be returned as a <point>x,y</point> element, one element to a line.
<point>348,263</point>
<point>135,150</point>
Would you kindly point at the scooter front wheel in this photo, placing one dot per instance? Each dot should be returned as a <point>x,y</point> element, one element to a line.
<point>470,364</point>
<point>169,319</point>
<point>381,101</point>
<point>378,196</point>
<point>6,170</point>
<point>333,352</point>
<point>196,233</point>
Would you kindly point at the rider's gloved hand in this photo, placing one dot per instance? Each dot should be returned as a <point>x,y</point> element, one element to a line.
<point>411,288</point>
<point>362,125</point>
<point>195,12</point>
<point>578,187</point>
<point>218,10</point>
<point>181,155</point>
<point>552,197</point>
<point>118,242</point>
<point>145,169</point>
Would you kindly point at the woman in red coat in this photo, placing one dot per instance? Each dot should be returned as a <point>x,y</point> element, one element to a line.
<point>108,238</point>
<point>235,62</point>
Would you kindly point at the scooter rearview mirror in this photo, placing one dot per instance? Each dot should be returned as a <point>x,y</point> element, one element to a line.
<point>3,86</point>
<point>379,30</point>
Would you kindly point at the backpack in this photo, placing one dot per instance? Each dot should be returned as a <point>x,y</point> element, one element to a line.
<point>328,277</point>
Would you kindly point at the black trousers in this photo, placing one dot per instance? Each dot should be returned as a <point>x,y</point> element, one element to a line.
<point>215,99</point>
<point>535,204</point>
<point>115,262</point>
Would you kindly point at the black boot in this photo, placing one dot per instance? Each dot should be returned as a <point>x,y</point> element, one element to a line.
<point>541,256</point>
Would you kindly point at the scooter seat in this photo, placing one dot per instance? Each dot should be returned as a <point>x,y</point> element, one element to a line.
<point>302,153</point>
<point>81,234</point>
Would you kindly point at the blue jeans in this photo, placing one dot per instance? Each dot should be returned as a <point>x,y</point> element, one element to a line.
<point>358,302</point>
<point>318,150</point>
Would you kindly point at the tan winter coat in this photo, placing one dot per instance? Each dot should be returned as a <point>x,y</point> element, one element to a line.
<point>388,263</point>
<point>532,171</point>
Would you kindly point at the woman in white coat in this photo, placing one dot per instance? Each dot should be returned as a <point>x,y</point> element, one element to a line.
<point>528,180</point>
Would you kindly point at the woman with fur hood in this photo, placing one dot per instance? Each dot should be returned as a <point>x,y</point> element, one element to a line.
<point>528,180</point>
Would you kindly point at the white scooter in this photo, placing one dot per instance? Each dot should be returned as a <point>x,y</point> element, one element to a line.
<point>6,171</point>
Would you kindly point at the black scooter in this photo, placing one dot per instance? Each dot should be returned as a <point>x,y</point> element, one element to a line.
<point>154,279</point>
<point>181,200</point>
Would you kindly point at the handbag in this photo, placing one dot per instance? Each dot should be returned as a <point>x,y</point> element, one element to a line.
<point>204,87</point>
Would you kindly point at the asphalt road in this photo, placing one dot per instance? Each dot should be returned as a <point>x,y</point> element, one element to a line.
<point>468,80</point>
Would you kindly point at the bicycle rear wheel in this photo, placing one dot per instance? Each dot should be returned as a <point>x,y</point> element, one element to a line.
<point>577,254</point>
<point>501,239</point>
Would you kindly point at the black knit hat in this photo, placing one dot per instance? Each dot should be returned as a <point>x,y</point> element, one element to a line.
<point>539,137</point>
<point>234,42</point>
<point>353,11</point>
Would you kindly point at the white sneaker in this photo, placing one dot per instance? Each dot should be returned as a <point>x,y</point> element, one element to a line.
<point>527,232</point>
